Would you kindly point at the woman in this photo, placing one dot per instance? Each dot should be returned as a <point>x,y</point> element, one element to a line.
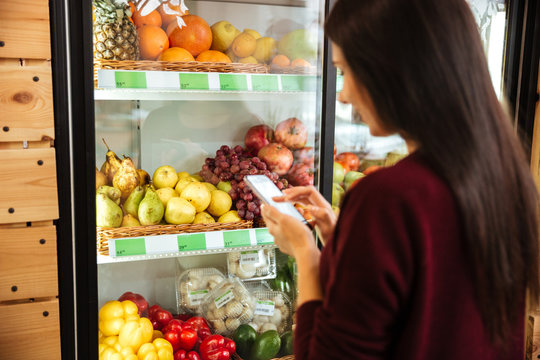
<point>430,258</point>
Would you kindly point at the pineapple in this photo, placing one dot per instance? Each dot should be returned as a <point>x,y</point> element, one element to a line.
<point>115,36</point>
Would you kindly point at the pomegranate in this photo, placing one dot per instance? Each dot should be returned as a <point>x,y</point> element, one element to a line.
<point>304,156</point>
<point>292,133</point>
<point>258,136</point>
<point>349,160</point>
<point>278,158</point>
<point>300,175</point>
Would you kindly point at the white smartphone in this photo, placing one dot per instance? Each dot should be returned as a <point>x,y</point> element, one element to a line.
<point>265,190</point>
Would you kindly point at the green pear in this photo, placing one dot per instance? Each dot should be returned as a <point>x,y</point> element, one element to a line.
<point>151,208</point>
<point>108,213</point>
<point>337,194</point>
<point>126,178</point>
<point>112,193</point>
<point>350,178</point>
<point>224,186</point>
<point>131,206</point>
<point>130,221</point>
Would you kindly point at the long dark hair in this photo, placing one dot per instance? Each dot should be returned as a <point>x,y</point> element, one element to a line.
<point>423,64</point>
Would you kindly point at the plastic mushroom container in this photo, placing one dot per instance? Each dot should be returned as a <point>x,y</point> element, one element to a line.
<point>252,264</point>
<point>272,311</point>
<point>194,284</point>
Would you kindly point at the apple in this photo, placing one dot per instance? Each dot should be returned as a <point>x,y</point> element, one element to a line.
<point>138,299</point>
<point>300,175</point>
<point>339,173</point>
<point>257,137</point>
<point>277,157</point>
<point>350,178</point>
<point>337,194</point>
<point>305,156</point>
<point>164,176</point>
<point>349,160</point>
<point>292,133</point>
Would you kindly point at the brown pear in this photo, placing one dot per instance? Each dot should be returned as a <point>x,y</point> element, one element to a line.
<point>144,177</point>
<point>126,178</point>
<point>101,179</point>
<point>111,164</point>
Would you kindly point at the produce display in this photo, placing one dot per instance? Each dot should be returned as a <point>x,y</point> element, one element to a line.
<point>170,33</point>
<point>252,264</point>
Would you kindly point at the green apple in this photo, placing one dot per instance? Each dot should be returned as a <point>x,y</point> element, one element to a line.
<point>224,186</point>
<point>337,194</point>
<point>339,173</point>
<point>350,178</point>
<point>164,176</point>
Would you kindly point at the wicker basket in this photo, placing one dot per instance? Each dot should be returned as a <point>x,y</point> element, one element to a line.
<point>297,70</point>
<point>105,234</point>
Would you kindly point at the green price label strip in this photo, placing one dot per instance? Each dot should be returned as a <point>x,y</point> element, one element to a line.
<point>233,82</point>
<point>236,239</point>
<point>130,80</point>
<point>194,82</point>
<point>191,242</point>
<point>263,236</point>
<point>298,83</point>
<point>130,247</point>
<point>264,83</point>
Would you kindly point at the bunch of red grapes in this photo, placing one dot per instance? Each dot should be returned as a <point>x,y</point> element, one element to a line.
<point>232,164</point>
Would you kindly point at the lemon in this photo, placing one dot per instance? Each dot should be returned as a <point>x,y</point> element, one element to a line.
<point>203,218</point>
<point>229,216</point>
<point>198,195</point>
<point>220,203</point>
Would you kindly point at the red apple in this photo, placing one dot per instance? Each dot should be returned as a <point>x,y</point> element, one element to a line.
<point>349,160</point>
<point>277,157</point>
<point>138,299</point>
<point>292,133</point>
<point>304,156</point>
<point>300,175</point>
<point>257,137</point>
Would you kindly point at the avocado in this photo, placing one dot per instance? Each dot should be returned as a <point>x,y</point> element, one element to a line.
<point>244,337</point>
<point>286,344</point>
<point>266,346</point>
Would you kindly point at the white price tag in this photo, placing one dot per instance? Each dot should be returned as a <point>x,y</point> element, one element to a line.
<point>224,299</point>
<point>249,257</point>
<point>195,297</point>
<point>264,308</point>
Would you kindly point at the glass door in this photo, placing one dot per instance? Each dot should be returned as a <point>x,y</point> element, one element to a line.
<point>191,97</point>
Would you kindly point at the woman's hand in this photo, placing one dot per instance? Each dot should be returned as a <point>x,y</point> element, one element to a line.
<point>324,217</point>
<point>290,235</point>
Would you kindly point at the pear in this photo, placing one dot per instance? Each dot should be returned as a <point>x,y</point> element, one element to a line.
<point>130,221</point>
<point>101,179</point>
<point>131,206</point>
<point>144,177</point>
<point>126,178</point>
<point>108,213</point>
<point>112,193</point>
<point>111,164</point>
<point>151,208</point>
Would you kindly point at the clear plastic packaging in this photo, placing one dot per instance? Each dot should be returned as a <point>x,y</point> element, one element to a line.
<point>194,284</point>
<point>272,311</point>
<point>228,306</point>
<point>252,264</point>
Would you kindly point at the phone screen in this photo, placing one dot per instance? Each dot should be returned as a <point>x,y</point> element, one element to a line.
<point>265,190</point>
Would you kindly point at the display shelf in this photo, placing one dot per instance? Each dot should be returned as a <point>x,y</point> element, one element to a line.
<point>175,245</point>
<point>295,3</point>
<point>118,84</point>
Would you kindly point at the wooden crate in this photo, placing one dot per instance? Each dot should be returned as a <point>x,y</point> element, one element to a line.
<point>30,331</point>
<point>25,29</point>
<point>26,97</point>
<point>28,182</point>
<point>28,266</point>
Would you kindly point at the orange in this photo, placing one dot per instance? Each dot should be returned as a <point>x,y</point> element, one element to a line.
<point>176,54</point>
<point>300,62</point>
<point>281,60</point>
<point>195,37</point>
<point>213,56</point>
<point>151,19</point>
<point>152,41</point>
<point>166,19</point>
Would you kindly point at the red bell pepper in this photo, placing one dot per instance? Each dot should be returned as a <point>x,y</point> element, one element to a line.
<point>181,339</point>
<point>197,323</point>
<point>173,337</point>
<point>213,348</point>
<point>192,355</point>
<point>159,317</point>
<point>174,324</point>
<point>230,345</point>
<point>180,354</point>
<point>138,299</point>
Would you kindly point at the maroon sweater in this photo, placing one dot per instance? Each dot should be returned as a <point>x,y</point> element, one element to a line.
<point>395,279</point>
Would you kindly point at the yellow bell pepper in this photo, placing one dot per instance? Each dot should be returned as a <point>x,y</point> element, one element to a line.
<point>134,333</point>
<point>159,349</point>
<point>114,315</point>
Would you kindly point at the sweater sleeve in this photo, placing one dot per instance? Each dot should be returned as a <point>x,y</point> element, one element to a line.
<point>370,270</point>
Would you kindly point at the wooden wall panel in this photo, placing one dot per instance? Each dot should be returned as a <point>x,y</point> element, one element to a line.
<point>30,331</point>
<point>28,181</point>
<point>535,153</point>
<point>25,29</point>
<point>26,100</point>
<point>28,266</point>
